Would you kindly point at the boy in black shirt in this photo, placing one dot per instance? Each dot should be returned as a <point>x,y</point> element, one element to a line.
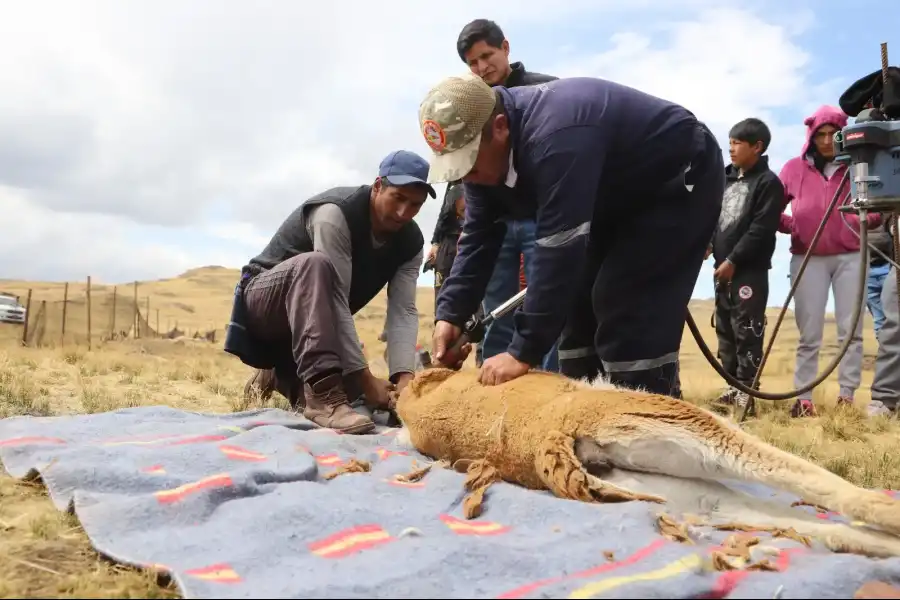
<point>742,248</point>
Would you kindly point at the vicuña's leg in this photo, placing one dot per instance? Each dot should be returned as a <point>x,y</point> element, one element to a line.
<point>718,504</point>
<point>565,476</point>
<point>592,457</point>
<point>672,438</point>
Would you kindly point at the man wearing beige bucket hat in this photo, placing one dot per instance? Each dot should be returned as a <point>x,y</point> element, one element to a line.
<point>627,188</point>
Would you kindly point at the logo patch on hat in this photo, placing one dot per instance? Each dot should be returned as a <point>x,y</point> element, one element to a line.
<point>745,292</point>
<point>434,135</point>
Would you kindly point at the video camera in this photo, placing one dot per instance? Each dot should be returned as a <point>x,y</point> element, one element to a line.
<point>871,145</point>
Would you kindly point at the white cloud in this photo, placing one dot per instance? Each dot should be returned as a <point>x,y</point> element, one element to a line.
<point>39,243</point>
<point>144,138</point>
<point>704,64</point>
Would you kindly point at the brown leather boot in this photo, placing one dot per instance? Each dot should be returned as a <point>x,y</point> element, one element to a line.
<point>327,405</point>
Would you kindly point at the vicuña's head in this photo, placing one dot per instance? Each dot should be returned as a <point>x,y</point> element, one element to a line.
<point>405,407</point>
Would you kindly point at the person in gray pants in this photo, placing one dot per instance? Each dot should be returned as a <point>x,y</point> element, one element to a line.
<point>810,181</point>
<point>886,384</point>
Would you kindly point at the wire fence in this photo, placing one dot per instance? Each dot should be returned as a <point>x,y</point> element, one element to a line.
<point>97,315</point>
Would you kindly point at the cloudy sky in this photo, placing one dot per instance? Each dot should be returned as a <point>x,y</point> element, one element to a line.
<point>140,139</point>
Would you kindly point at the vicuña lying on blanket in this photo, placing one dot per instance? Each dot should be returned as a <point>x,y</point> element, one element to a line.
<point>597,443</point>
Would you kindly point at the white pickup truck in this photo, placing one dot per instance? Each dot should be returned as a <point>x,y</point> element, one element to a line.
<point>10,310</point>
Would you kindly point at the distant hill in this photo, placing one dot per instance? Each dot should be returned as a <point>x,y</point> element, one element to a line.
<point>200,300</point>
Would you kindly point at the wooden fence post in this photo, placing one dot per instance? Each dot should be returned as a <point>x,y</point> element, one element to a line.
<point>27,318</point>
<point>136,320</point>
<point>62,335</point>
<point>89,311</point>
<point>40,331</point>
<point>113,323</point>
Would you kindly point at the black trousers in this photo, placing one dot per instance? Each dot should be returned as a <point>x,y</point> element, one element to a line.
<point>443,262</point>
<point>644,256</point>
<point>740,322</point>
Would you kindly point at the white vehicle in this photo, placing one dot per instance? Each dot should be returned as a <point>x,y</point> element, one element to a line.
<point>10,310</point>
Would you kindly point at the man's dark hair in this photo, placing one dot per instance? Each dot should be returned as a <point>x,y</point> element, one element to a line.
<point>479,30</point>
<point>751,131</point>
<point>487,132</point>
<point>453,194</point>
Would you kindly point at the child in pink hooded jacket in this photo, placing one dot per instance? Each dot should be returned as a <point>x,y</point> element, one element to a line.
<point>810,182</point>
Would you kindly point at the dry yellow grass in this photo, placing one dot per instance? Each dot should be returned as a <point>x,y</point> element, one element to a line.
<point>45,554</point>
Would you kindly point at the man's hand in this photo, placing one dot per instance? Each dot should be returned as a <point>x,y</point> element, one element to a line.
<point>377,391</point>
<point>725,271</point>
<point>709,250</point>
<point>403,380</point>
<point>444,335</point>
<point>502,368</point>
<point>432,253</point>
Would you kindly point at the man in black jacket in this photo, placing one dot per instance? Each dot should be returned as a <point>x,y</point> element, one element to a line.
<point>742,247</point>
<point>485,49</point>
<point>446,235</point>
<point>444,244</point>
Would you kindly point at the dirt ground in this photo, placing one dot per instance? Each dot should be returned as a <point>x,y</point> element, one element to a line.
<point>44,553</point>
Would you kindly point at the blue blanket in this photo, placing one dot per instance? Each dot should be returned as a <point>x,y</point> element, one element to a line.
<point>240,505</point>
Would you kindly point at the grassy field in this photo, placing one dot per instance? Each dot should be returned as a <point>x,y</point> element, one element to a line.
<point>44,553</point>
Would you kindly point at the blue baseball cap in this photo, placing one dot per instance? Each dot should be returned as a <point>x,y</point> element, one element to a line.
<point>402,167</point>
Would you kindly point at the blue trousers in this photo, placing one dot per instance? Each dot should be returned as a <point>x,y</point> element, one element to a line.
<point>504,284</point>
<point>875,284</point>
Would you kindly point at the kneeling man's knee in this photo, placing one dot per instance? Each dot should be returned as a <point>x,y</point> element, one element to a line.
<point>315,264</point>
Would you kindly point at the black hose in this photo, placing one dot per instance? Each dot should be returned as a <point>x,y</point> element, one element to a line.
<point>857,312</point>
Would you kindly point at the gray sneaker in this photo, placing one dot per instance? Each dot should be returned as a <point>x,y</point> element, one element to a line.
<point>877,408</point>
<point>727,397</point>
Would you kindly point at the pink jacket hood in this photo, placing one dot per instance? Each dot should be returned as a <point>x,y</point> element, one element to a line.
<point>825,115</point>
<point>809,192</point>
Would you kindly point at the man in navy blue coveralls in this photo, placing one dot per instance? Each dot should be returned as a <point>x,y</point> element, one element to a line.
<point>627,189</point>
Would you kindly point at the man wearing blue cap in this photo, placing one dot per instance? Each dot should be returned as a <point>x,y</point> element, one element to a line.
<point>294,306</point>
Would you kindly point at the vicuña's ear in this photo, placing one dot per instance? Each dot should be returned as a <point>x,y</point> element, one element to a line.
<point>428,379</point>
